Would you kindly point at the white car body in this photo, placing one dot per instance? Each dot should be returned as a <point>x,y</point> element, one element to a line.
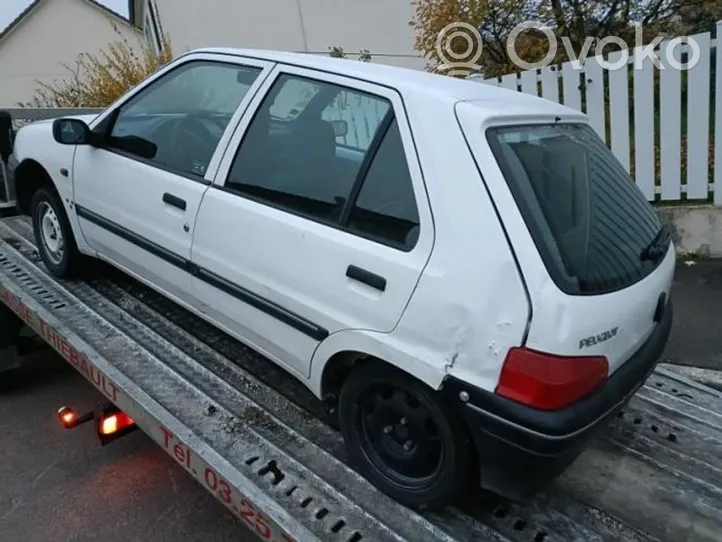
<point>473,287</point>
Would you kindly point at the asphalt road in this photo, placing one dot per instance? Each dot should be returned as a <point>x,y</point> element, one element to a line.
<point>62,485</point>
<point>696,338</point>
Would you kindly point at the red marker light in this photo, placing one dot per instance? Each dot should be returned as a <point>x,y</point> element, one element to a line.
<point>67,417</point>
<point>115,422</point>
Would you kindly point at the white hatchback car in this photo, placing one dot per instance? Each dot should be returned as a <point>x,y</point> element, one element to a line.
<point>467,270</point>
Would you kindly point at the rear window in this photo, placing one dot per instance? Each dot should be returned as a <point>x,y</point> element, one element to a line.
<point>592,225</point>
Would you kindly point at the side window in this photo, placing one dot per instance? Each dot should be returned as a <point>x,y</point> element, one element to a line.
<point>290,156</point>
<point>360,113</point>
<point>385,209</point>
<point>178,120</point>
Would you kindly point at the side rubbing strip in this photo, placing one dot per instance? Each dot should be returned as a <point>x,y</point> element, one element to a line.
<point>131,237</point>
<point>269,307</point>
<point>295,321</point>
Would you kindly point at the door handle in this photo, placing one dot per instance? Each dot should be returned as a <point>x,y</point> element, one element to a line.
<point>368,278</point>
<point>175,201</point>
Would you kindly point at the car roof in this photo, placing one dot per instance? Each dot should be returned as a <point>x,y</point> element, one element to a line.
<point>412,82</point>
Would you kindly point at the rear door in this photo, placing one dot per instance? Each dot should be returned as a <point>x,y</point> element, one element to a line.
<point>317,220</point>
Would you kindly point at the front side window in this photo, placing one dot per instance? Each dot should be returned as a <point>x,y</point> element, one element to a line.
<point>290,156</point>
<point>590,222</point>
<point>182,115</point>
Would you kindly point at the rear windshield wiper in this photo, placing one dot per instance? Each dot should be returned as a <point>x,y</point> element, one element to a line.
<point>657,248</point>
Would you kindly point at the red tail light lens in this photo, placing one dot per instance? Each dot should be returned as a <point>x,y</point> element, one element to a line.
<point>549,382</point>
<point>115,422</point>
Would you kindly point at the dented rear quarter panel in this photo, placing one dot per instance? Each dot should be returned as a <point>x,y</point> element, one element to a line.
<point>470,305</point>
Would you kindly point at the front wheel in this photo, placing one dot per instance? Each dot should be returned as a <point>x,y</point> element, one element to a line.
<point>53,234</point>
<point>404,438</point>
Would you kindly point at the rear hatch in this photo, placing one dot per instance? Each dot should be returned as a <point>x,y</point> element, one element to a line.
<point>596,259</point>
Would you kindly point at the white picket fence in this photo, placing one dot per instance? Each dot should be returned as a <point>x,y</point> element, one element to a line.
<point>651,138</point>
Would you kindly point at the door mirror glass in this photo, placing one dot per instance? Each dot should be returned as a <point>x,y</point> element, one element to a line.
<point>71,132</point>
<point>340,128</point>
<point>6,135</point>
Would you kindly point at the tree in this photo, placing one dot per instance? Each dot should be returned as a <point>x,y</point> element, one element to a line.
<point>576,20</point>
<point>97,80</point>
<point>701,17</point>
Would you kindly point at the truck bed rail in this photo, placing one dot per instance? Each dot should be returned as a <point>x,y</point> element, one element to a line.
<point>266,448</point>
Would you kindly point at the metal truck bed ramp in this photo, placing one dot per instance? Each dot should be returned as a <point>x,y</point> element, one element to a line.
<point>264,446</point>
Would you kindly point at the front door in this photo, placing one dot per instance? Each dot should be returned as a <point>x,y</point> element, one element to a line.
<point>312,225</point>
<point>137,195</point>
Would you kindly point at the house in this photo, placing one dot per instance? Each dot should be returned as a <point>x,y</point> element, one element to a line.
<point>47,34</point>
<point>311,26</point>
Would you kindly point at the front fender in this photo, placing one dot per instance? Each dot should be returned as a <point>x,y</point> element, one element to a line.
<point>37,153</point>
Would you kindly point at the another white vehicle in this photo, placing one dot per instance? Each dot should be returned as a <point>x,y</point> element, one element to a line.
<point>467,270</point>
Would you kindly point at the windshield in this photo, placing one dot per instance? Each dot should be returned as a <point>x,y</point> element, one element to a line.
<point>590,222</point>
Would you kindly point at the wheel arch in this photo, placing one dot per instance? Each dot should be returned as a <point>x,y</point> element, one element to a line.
<point>30,175</point>
<point>338,355</point>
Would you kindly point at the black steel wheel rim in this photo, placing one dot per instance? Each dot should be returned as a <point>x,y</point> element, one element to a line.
<point>399,435</point>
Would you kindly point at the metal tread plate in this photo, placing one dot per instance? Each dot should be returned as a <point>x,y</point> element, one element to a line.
<point>654,474</point>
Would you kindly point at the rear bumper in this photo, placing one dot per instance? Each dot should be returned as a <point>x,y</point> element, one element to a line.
<point>521,449</point>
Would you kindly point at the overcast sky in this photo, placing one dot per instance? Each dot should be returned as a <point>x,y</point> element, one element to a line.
<point>9,9</point>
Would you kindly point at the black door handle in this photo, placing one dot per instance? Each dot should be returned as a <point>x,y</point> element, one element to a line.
<point>371,279</point>
<point>175,201</point>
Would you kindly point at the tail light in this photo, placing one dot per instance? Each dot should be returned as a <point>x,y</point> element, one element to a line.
<point>115,422</point>
<point>67,417</point>
<point>549,382</point>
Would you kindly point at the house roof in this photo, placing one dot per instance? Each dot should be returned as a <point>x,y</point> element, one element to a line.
<point>26,12</point>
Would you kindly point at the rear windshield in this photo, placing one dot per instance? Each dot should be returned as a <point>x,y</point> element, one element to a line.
<point>592,225</point>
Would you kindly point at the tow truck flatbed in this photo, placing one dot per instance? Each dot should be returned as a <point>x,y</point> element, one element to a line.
<point>268,450</point>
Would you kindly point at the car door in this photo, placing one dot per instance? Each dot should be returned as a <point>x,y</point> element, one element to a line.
<point>317,220</point>
<point>137,193</point>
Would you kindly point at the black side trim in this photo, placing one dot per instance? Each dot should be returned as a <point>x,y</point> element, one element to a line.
<point>269,307</point>
<point>367,277</point>
<point>120,231</point>
<point>295,321</point>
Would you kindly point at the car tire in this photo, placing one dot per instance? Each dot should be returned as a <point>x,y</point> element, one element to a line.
<point>423,459</point>
<point>53,235</point>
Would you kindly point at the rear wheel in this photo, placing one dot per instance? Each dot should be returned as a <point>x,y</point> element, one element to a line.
<point>404,438</point>
<point>53,234</point>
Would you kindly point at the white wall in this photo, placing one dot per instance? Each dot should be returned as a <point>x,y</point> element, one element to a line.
<point>381,26</point>
<point>56,32</point>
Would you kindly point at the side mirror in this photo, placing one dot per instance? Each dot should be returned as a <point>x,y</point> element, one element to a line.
<point>6,136</point>
<point>340,127</point>
<point>71,132</point>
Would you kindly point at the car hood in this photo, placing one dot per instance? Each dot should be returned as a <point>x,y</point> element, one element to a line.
<point>85,118</point>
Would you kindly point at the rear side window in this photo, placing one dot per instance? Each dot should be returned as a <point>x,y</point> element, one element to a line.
<point>331,154</point>
<point>590,222</point>
<point>385,209</point>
